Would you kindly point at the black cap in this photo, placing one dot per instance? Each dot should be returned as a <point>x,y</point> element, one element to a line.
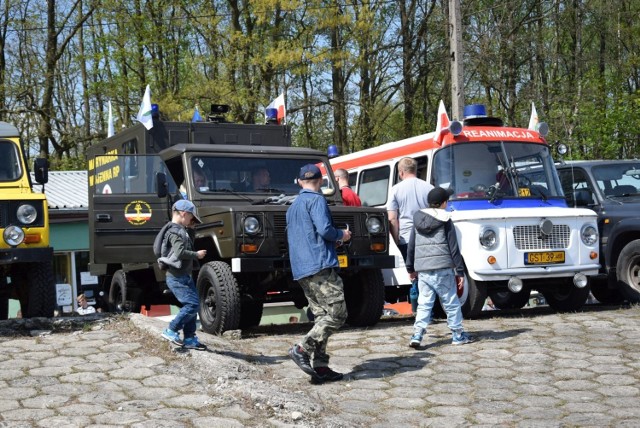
<point>438,195</point>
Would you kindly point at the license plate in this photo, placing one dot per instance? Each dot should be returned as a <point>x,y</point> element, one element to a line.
<point>544,258</point>
<point>342,260</point>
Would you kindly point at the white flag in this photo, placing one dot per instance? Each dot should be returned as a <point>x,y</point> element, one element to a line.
<point>533,121</point>
<point>144,114</point>
<point>110,129</point>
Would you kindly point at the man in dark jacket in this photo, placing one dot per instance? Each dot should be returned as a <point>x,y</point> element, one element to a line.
<point>434,257</point>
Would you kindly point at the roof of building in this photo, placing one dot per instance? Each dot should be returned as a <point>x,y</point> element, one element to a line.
<point>66,190</point>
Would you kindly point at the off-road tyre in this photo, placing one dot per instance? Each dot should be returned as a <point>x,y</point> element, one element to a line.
<point>250,311</point>
<point>566,298</point>
<point>123,295</point>
<point>4,306</point>
<point>628,271</point>
<point>219,294</point>
<point>605,294</point>
<point>364,296</point>
<point>38,290</point>
<point>505,299</point>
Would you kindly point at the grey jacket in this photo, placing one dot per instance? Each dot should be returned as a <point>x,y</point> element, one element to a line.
<point>182,250</point>
<point>433,243</point>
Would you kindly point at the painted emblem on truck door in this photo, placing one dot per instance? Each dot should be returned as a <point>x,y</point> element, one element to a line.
<point>137,212</point>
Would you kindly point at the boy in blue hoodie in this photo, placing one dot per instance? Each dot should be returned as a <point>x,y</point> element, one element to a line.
<point>434,257</point>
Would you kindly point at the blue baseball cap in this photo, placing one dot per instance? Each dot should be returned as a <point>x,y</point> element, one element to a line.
<point>187,206</point>
<point>309,172</point>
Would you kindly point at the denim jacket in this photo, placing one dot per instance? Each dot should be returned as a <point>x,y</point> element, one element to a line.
<point>311,235</point>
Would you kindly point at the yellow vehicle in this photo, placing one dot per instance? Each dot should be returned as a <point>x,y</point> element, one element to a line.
<point>26,269</point>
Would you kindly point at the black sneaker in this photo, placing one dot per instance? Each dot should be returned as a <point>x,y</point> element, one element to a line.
<point>325,374</point>
<point>301,358</point>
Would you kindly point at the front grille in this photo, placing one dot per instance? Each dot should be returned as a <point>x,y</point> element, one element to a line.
<point>530,237</point>
<point>279,225</point>
<point>340,221</point>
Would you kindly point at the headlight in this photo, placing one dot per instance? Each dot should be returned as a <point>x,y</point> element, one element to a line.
<point>13,235</point>
<point>488,238</point>
<point>589,234</point>
<point>374,225</point>
<point>27,214</point>
<point>251,225</point>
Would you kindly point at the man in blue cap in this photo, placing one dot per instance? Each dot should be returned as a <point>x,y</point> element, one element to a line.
<point>179,279</point>
<point>314,264</point>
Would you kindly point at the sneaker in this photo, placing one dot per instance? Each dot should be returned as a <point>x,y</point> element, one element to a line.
<point>301,358</point>
<point>172,336</point>
<point>416,339</point>
<point>194,343</point>
<point>461,338</point>
<point>325,374</point>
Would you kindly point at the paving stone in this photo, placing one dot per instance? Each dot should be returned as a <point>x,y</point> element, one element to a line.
<point>543,370</point>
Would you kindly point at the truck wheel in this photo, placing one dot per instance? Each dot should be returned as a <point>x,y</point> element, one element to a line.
<point>122,296</point>
<point>364,296</point>
<point>505,299</point>
<point>4,306</point>
<point>472,297</point>
<point>251,311</point>
<point>219,298</point>
<point>566,298</point>
<point>37,293</point>
<point>604,294</point>
<point>628,271</point>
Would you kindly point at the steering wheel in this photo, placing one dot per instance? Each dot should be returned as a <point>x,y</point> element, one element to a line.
<point>479,188</point>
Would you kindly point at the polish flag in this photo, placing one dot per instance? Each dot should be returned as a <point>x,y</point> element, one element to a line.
<point>533,120</point>
<point>278,104</point>
<point>443,121</point>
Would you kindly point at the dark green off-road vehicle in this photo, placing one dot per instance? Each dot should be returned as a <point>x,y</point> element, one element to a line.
<point>611,188</point>
<point>136,175</point>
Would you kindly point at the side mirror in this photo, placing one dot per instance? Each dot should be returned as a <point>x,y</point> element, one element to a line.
<point>161,184</point>
<point>41,170</point>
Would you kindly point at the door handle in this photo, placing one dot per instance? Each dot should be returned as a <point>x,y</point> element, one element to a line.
<point>103,218</point>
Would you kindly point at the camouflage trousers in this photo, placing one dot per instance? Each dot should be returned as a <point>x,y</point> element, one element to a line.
<point>325,293</point>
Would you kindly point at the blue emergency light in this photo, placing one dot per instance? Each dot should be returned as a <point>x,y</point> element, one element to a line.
<point>332,151</point>
<point>271,115</point>
<point>472,111</point>
<point>155,111</point>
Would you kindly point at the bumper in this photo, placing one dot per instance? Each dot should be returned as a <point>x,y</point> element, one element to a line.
<point>10,256</point>
<point>535,272</point>
<point>268,265</point>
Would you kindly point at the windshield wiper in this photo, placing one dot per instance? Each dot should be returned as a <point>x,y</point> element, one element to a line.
<point>233,192</point>
<point>269,189</point>
<point>281,199</point>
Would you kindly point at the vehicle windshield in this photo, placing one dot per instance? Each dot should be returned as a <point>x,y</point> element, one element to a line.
<point>618,179</point>
<point>9,162</point>
<point>264,176</point>
<point>497,169</point>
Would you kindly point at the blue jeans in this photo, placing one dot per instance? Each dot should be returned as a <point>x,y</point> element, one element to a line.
<point>441,283</point>
<point>185,291</point>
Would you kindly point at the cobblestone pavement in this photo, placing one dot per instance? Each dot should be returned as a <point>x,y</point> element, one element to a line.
<point>528,369</point>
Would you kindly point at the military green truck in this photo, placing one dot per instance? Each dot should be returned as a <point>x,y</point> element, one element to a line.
<point>26,258</point>
<point>135,177</point>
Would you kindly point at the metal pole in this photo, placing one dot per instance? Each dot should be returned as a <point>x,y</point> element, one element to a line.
<point>457,69</point>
